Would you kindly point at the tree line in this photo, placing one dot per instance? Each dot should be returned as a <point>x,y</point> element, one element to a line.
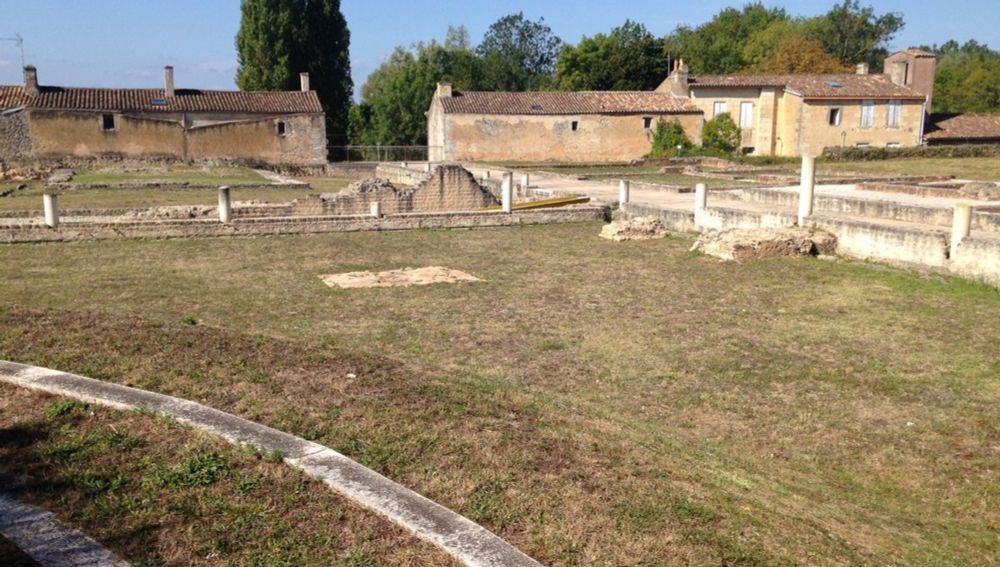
<point>278,38</point>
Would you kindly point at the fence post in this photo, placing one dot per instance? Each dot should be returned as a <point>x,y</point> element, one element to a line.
<point>807,188</point>
<point>961,226</point>
<point>700,203</point>
<point>50,202</point>
<point>225,204</point>
<point>507,192</point>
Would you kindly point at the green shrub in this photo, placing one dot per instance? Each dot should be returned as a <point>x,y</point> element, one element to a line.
<point>669,139</point>
<point>721,134</point>
<point>875,154</point>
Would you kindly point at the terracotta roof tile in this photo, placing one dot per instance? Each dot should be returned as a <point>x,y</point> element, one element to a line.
<point>942,127</point>
<point>142,100</point>
<point>846,85</point>
<point>559,103</point>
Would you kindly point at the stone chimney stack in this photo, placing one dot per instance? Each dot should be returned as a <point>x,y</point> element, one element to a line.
<point>304,82</point>
<point>168,81</point>
<point>679,80</point>
<point>443,90</point>
<point>31,80</point>
<point>898,74</point>
<point>862,69</point>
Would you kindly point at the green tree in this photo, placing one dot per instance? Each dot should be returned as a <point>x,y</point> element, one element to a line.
<point>629,58</point>
<point>394,99</point>
<point>721,134</point>
<point>783,48</point>
<point>717,45</point>
<point>278,39</point>
<point>968,78</point>
<point>518,54</point>
<point>854,34</point>
<point>669,139</point>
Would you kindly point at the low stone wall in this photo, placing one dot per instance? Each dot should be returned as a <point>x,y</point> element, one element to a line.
<point>673,220</point>
<point>935,216</point>
<point>396,173</point>
<point>351,169</point>
<point>886,243</point>
<point>15,137</point>
<point>979,259</point>
<point>201,228</point>
<point>720,218</point>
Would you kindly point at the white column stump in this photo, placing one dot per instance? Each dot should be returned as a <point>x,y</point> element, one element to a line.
<point>50,202</point>
<point>623,191</point>
<point>807,188</point>
<point>376,209</point>
<point>507,193</point>
<point>427,167</point>
<point>700,203</point>
<point>225,204</point>
<point>524,184</point>
<point>961,226</point>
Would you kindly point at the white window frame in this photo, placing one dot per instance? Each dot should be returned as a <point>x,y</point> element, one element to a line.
<point>895,113</point>
<point>746,116</point>
<point>867,113</point>
<point>719,107</point>
<point>839,110</point>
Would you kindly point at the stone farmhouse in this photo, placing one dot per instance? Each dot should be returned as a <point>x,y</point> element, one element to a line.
<point>40,122</point>
<point>779,115</point>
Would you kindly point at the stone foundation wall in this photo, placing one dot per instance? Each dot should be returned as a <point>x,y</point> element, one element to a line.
<point>449,188</point>
<point>199,228</point>
<point>15,137</point>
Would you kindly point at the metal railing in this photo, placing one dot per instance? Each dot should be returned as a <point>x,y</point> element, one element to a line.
<point>381,153</point>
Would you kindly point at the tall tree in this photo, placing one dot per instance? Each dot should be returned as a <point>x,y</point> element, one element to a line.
<point>854,34</point>
<point>968,78</point>
<point>278,39</point>
<point>717,45</point>
<point>628,58</point>
<point>783,48</point>
<point>519,54</point>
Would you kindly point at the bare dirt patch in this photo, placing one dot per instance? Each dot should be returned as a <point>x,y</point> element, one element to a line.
<point>398,278</point>
<point>760,243</point>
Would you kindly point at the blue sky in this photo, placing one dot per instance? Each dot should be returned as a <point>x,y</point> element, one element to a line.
<point>127,42</point>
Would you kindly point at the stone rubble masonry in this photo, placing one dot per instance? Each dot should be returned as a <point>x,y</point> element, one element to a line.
<point>15,136</point>
<point>70,231</point>
<point>449,188</point>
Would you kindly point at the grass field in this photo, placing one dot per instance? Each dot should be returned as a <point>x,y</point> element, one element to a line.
<point>174,173</point>
<point>31,198</point>
<point>595,403</point>
<point>159,493</point>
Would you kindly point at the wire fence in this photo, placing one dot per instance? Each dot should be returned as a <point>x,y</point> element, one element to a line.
<point>381,153</point>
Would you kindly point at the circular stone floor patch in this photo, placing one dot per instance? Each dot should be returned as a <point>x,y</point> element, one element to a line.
<point>395,278</point>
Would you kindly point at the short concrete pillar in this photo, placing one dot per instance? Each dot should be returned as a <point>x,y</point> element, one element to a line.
<point>427,167</point>
<point>961,226</point>
<point>376,208</point>
<point>50,202</point>
<point>807,188</point>
<point>700,202</point>
<point>524,184</point>
<point>487,174</point>
<point>404,164</point>
<point>507,193</point>
<point>623,191</point>
<point>225,204</point>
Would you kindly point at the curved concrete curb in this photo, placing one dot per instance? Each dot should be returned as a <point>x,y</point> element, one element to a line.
<point>40,535</point>
<point>461,538</point>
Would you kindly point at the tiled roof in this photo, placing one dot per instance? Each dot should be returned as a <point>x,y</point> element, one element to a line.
<point>970,126</point>
<point>556,103</point>
<point>142,100</point>
<point>815,86</point>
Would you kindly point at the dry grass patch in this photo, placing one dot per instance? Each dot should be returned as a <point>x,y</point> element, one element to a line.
<point>592,402</point>
<point>158,493</point>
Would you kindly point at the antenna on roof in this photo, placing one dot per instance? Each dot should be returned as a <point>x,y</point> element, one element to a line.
<point>17,39</point>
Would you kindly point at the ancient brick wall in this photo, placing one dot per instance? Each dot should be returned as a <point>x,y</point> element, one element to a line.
<point>15,136</point>
<point>451,188</point>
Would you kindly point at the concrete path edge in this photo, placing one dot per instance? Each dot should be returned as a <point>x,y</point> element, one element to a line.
<point>456,535</point>
<point>42,537</point>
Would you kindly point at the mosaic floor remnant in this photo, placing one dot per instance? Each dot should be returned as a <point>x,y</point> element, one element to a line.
<point>398,278</point>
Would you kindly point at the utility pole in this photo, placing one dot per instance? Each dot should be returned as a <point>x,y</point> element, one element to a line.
<point>19,41</point>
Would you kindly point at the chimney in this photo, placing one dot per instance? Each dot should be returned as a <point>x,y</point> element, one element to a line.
<point>898,75</point>
<point>679,80</point>
<point>168,81</point>
<point>304,81</point>
<point>31,80</point>
<point>862,69</point>
<point>443,90</point>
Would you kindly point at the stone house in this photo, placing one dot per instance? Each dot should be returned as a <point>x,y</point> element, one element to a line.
<point>550,126</point>
<point>45,122</point>
<point>782,115</point>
